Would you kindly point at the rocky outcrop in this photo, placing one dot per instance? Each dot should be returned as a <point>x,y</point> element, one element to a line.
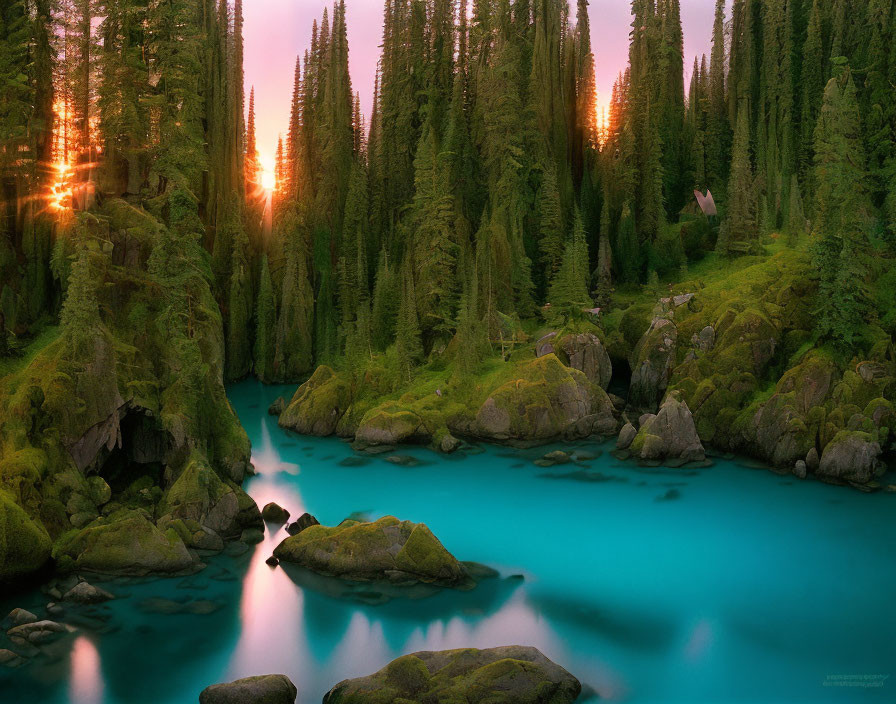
<point>852,456</point>
<point>85,593</point>
<point>508,675</point>
<point>651,363</point>
<point>37,633</point>
<point>583,351</point>
<point>200,495</point>
<point>547,400</point>
<point>264,689</point>
<point>277,407</point>
<point>586,353</point>
<point>385,550</point>
<point>318,405</point>
<point>124,543</point>
<point>626,436</point>
<point>669,435</point>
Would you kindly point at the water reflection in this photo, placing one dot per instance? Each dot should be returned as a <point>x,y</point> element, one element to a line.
<point>86,680</point>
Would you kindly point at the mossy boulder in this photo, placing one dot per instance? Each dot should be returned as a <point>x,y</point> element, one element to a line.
<point>199,494</point>
<point>318,405</point>
<point>507,675</point>
<point>391,425</point>
<point>124,543</point>
<point>651,363</point>
<point>384,550</point>
<point>852,456</point>
<point>264,689</point>
<point>24,543</point>
<point>545,400</point>
<point>670,434</point>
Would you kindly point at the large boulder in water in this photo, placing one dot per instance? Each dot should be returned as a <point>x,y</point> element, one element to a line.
<point>670,434</point>
<point>125,543</point>
<point>318,405</point>
<point>851,456</point>
<point>511,674</point>
<point>547,400</point>
<point>384,550</point>
<point>652,362</point>
<point>264,689</point>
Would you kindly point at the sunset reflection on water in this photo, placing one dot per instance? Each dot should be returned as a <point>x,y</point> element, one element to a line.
<point>86,681</point>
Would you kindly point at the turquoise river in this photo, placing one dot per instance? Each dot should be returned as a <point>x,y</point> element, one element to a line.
<point>724,584</point>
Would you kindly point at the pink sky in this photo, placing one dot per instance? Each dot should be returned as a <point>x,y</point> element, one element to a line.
<point>278,30</point>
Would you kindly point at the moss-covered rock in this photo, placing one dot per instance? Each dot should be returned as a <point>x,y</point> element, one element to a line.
<point>199,494</point>
<point>545,400</point>
<point>507,675</point>
<point>319,404</point>
<point>24,544</point>
<point>585,352</point>
<point>670,434</point>
<point>264,689</point>
<point>851,456</point>
<point>126,543</point>
<point>391,425</point>
<point>384,550</point>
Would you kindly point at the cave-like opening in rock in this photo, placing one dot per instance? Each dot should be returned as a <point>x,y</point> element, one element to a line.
<point>621,378</point>
<point>140,453</point>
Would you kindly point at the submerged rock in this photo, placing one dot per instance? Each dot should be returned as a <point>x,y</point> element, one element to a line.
<point>274,513</point>
<point>508,675</point>
<point>263,689</point>
<point>384,550</point>
<point>671,434</point>
<point>851,456</point>
<point>36,633</point>
<point>84,593</point>
<point>18,617</point>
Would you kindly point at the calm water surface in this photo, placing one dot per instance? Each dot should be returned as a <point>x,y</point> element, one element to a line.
<point>727,584</point>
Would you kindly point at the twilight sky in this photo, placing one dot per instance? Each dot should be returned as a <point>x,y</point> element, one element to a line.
<point>276,31</point>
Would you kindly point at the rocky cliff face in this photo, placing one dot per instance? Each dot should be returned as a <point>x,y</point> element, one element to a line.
<point>90,439</point>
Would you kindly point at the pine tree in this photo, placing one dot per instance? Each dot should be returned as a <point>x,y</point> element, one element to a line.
<point>843,214</point>
<point>569,289</point>
<point>740,231</point>
<point>80,315</point>
<point>407,331</point>
<point>551,235</point>
<point>239,309</point>
<point>250,178</point>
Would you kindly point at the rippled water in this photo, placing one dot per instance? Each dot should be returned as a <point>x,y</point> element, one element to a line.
<point>727,584</point>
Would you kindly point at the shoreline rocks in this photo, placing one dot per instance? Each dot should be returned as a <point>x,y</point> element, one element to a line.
<point>274,513</point>
<point>510,674</point>
<point>669,435</point>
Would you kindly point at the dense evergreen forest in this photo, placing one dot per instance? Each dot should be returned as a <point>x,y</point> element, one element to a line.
<point>413,256</point>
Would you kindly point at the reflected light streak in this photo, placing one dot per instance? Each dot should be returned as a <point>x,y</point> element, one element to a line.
<point>86,683</point>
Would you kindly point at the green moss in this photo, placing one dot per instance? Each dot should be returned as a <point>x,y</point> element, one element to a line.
<point>24,544</point>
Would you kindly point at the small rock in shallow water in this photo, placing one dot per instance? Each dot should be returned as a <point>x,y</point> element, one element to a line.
<point>557,457</point>
<point>403,460</point>
<point>277,407</point>
<point>265,689</point>
<point>799,469</point>
<point>85,593</point>
<point>670,495</point>
<point>272,561</point>
<point>10,659</point>
<point>36,633</point>
<point>626,435</point>
<point>306,520</point>
<point>18,617</point>
<point>274,513</point>
<point>354,461</point>
<point>55,610</point>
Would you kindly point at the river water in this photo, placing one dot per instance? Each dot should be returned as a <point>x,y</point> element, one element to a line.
<point>724,584</point>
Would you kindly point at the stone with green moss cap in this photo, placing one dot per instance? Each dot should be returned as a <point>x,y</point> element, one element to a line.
<point>511,674</point>
<point>384,550</point>
<point>318,405</point>
<point>670,434</point>
<point>262,689</point>
<point>125,543</point>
